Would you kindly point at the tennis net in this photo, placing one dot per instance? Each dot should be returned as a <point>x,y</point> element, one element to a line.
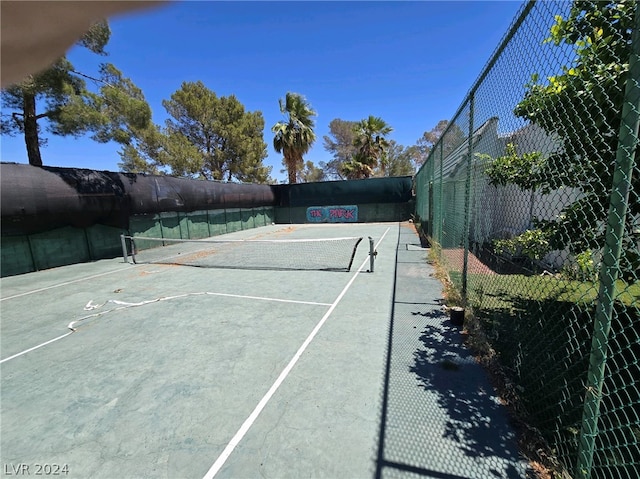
<point>328,254</point>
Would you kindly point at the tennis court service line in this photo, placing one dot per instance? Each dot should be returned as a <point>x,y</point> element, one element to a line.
<point>62,284</point>
<point>36,347</point>
<point>124,305</point>
<point>235,440</point>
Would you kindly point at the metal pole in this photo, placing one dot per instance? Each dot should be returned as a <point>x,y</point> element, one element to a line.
<point>124,248</point>
<point>467,201</point>
<point>440,207</point>
<point>618,204</point>
<point>372,254</point>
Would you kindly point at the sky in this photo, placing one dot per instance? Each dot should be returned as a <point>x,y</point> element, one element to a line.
<point>409,63</point>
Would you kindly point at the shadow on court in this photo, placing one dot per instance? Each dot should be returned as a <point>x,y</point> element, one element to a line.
<point>440,417</point>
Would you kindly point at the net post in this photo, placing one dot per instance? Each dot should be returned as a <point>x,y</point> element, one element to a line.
<point>372,254</point>
<point>124,248</point>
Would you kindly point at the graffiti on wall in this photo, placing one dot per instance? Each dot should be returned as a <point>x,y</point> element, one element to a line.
<point>332,214</point>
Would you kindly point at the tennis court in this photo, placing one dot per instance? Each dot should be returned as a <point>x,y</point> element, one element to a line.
<point>113,369</point>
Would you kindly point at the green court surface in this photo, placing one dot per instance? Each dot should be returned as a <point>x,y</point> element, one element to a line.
<point>176,371</point>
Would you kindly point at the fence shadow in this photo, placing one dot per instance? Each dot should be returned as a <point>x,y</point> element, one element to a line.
<point>545,346</point>
<point>440,417</point>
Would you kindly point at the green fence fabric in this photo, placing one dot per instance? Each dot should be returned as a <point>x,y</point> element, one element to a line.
<point>531,198</point>
<point>69,245</point>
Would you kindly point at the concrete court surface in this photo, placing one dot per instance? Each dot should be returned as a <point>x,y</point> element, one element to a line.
<point>202,372</point>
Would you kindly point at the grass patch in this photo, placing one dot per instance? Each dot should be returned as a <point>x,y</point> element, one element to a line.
<point>451,294</point>
<point>500,290</point>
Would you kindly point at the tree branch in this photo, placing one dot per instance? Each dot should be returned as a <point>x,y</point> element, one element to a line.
<point>19,123</point>
<point>97,80</point>
<point>43,115</point>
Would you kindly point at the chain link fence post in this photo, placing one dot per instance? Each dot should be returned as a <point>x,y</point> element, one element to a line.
<point>610,269</point>
<point>440,192</point>
<point>467,201</point>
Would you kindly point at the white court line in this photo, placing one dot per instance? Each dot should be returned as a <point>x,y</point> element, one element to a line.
<point>36,347</point>
<point>61,284</point>
<point>125,305</point>
<point>235,440</point>
<point>260,298</point>
<point>142,303</point>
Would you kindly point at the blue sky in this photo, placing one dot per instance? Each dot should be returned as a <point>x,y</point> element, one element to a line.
<point>410,63</point>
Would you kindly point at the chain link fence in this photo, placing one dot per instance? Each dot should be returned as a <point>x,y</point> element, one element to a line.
<point>531,200</point>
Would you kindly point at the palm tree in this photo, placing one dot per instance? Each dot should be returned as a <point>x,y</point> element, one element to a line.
<point>294,137</point>
<point>356,167</point>
<point>371,143</point>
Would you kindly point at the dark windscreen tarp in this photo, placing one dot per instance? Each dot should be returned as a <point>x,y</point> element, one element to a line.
<point>154,194</point>
<point>353,192</point>
<point>39,199</point>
